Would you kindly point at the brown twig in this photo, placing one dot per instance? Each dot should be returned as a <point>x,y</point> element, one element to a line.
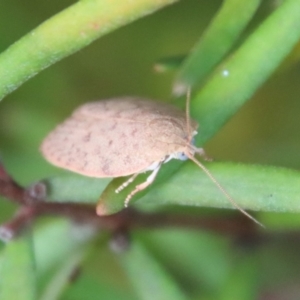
<point>33,205</point>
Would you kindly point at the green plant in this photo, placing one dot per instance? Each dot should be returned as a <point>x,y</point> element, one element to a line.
<point>225,69</point>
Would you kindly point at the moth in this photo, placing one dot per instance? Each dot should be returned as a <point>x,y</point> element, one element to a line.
<point>126,136</point>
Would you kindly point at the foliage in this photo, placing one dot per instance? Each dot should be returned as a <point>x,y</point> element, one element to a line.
<point>239,51</point>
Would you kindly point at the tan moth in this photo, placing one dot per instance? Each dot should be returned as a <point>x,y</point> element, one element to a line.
<point>125,136</point>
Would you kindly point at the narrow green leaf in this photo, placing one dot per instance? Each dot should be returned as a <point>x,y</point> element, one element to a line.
<point>179,249</point>
<point>62,277</point>
<point>237,79</point>
<point>264,188</point>
<point>66,33</point>
<point>75,188</point>
<point>147,276</point>
<point>217,40</point>
<point>100,277</point>
<point>110,202</point>
<point>66,240</point>
<point>17,280</point>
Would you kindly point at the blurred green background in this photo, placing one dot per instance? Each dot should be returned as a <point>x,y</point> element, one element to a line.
<point>265,131</point>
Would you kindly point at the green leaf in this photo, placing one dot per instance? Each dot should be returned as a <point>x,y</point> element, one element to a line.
<point>237,78</point>
<point>100,276</point>
<point>262,188</point>
<point>17,270</point>
<point>110,202</point>
<point>65,33</point>
<point>55,261</point>
<point>147,276</point>
<point>218,39</point>
<point>67,239</point>
<point>75,188</point>
<point>206,274</point>
<point>61,278</point>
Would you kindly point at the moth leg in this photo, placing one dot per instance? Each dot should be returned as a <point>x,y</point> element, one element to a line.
<point>202,153</point>
<point>126,183</point>
<point>143,185</point>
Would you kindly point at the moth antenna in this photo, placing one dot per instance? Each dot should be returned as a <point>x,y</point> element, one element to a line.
<point>214,180</point>
<point>187,111</point>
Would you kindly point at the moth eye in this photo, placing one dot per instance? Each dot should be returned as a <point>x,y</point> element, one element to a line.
<point>181,156</point>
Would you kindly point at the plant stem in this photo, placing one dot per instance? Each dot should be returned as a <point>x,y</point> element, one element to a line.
<point>65,33</point>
